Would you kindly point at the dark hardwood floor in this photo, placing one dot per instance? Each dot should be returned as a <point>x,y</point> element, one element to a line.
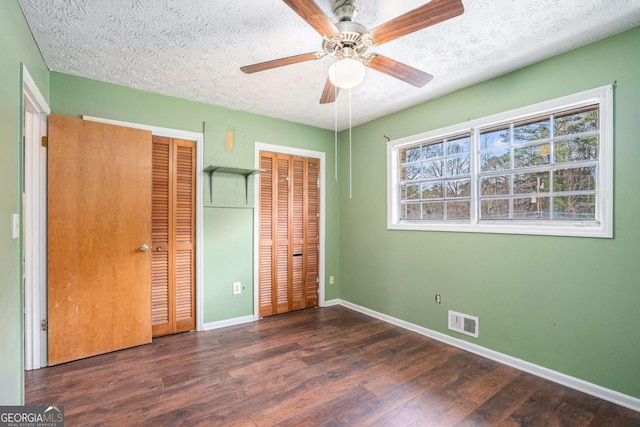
<point>326,366</point>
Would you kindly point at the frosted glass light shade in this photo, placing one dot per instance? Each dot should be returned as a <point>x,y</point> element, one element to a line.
<point>346,73</point>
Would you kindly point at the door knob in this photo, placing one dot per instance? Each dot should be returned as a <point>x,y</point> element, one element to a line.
<point>159,249</point>
<point>144,248</point>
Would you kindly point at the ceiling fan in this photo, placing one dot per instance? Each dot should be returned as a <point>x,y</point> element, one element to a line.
<point>349,41</point>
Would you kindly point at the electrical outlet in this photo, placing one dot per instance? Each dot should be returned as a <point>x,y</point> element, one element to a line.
<point>332,280</point>
<point>438,299</point>
<point>237,288</point>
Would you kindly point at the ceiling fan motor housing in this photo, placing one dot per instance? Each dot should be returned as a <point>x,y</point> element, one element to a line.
<point>350,43</point>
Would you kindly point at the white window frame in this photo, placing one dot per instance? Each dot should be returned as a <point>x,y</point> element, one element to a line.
<point>602,227</point>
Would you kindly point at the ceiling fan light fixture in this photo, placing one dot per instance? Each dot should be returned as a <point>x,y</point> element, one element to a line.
<point>347,73</point>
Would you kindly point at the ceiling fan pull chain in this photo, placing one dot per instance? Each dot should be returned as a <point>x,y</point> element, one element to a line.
<point>335,110</point>
<point>350,158</point>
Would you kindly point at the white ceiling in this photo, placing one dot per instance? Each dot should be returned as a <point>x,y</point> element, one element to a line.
<point>193,49</point>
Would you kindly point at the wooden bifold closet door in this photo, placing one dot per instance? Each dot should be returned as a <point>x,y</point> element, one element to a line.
<point>289,233</point>
<point>173,236</point>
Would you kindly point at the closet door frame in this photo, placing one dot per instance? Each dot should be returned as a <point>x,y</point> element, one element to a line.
<point>198,138</point>
<point>256,218</point>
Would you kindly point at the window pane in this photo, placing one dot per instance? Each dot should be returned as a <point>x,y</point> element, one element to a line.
<point>575,207</point>
<point>494,209</point>
<point>432,151</point>
<point>410,173</point>
<point>578,149</point>
<point>433,169</point>
<point>576,179</point>
<point>459,146</point>
<point>494,138</point>
<point>535,182</point>
<point>535,155</point>
<point>411,192</point>
<point>531,208</point>
<point>458,210</point>
<point>411,211</point>
<point>531,131</point>
<point>433,210</point>
<point>494,185</point>
<point>432,190</point>
<point>458,166</point>
<point>459,188</point>
<point>495,160</point>
<point>576,122</point>
<point>410,155</point>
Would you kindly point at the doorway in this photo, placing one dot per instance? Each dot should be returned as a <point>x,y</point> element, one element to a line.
<point>34,222</point>
<point>289,229</point>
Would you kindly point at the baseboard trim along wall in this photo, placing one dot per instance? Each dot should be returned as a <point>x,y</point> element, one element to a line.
<point>540,371</point>
<point>228,322</point>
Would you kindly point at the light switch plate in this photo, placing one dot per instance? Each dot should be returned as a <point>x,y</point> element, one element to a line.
<point>15,226</point>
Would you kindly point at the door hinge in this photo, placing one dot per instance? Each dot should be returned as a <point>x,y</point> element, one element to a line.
<point>44,141</point>
<point>317,280</point>
<point>318,182</point>
<point>44,325</point>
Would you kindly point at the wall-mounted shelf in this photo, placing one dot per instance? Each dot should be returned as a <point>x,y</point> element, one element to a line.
<point>238,171</point>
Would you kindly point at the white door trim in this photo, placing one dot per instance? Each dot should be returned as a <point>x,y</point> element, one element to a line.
<point>34,221</point>
<point>199,140</point>
<point>256,218</point>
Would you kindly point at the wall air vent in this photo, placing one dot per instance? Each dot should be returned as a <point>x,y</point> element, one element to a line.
<point>463,323</point>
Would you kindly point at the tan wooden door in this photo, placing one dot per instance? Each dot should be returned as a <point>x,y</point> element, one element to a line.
<point>288,233</point>
<point>173,236</point>
<point>99,212</point>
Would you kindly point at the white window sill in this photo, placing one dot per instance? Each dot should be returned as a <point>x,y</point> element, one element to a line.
<point>572,230</point>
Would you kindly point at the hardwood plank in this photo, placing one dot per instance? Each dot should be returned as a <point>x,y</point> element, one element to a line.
<point>321,366</point>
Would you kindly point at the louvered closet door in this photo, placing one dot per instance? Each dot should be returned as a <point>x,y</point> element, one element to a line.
<point>312,232</point>
<point>289,233</point>
<point>173,236</point>
<point>266,303</point>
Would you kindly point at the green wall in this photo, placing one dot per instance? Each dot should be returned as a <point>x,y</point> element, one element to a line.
<point>16,47</point>
<point>569,304</point>
<point>228,223</point>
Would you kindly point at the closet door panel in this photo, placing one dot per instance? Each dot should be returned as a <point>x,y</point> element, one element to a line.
<point>184,226</point>
<point>298,218</point>
<point>283,223</point>
<point>161,304</point>
<point>265,275</point>
<point>312,233</point>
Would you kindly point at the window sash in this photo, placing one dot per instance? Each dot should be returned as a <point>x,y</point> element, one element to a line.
<point>595,199</point>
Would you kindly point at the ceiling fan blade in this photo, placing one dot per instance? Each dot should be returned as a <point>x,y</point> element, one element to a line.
<point>432,13</point>
<point>396,69</point>
<point>329,93</point>
<point>310,12</point>
<point>262,66</point>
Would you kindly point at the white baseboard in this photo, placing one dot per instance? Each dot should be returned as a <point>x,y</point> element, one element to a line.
<point>331,303</point>
<point>540,371</point>
<point>228,322</point>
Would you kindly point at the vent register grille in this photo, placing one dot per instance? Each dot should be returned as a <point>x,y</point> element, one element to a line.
<point>464,323</point>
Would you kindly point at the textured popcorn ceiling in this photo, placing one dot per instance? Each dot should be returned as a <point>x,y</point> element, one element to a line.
<point>194,48</point>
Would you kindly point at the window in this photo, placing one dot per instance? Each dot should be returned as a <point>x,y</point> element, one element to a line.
<point>542,169</point>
